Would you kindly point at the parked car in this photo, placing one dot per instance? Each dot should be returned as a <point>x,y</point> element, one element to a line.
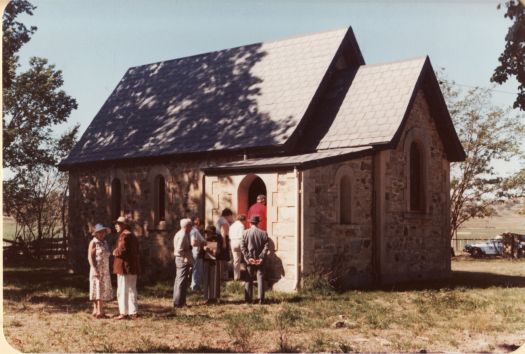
<point>486,248</point>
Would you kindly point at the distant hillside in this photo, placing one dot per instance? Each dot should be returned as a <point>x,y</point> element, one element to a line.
<point>508,219</point>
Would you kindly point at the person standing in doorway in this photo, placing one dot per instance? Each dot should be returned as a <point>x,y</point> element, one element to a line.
<point>183,262</point>
<point>254,247</point>
<point>236,231</point>
<point>259,209</point>
<point>223,229</point>
<point>126,266</point>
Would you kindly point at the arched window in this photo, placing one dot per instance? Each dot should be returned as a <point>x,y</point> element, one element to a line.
<point>345,200</point>
<point>116,198</point>
<point>416,182</point>
<point>160,198</point>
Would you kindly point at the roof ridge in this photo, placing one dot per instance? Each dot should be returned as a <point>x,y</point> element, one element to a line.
<point>423,58</point>
<point>242,46</point>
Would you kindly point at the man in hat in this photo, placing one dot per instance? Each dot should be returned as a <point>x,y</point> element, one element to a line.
<point>183,262</point>
<point>254,246</point>
<point>126,266</point>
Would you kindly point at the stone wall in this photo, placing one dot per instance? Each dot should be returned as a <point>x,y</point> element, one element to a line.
<point>232,191</point>
<point>416,245</point>
<point>90,203</point>
<point>188,192</point>
<point>341,251</point>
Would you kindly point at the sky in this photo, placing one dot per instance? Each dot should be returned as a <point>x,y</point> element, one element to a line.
<point>94,42</point>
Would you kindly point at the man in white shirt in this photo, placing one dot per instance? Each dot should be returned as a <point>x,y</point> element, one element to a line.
<point>236,230</point>
<point>183,261</point>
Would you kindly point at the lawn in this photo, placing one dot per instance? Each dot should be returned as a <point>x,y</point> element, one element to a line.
<point>479,309</point>
<point>8,228</point>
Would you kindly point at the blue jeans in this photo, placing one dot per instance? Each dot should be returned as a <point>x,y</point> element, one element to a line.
<point>196,279</point>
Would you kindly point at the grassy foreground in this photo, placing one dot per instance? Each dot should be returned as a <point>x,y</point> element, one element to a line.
<point>480,309</point>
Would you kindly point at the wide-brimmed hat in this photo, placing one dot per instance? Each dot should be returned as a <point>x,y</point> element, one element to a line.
<point>100,227</point>
<point>255,219</point>
<point>122,220</point>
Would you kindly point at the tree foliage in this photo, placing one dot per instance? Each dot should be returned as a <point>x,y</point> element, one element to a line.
<point>34,105</point>
<point>487,133</point>
<point>16,34</point>
<point>512,60</point>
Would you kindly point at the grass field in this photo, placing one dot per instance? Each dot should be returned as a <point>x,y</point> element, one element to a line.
<point>507,219</point>
<point>479,309</point>
<point>8,228</point>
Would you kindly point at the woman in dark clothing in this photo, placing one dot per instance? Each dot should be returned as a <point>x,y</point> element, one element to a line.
<point>211,274</point>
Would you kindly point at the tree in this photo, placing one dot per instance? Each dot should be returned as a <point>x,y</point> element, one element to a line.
<point>487,133</point>
<point>516,185</point>
<point>16,34</point>
<point>512,60</point>
<point>34,104</point>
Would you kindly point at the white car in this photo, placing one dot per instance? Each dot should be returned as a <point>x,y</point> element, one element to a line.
<point>492,247</point>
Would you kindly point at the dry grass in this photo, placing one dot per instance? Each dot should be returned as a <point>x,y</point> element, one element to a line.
<point>480,309</point>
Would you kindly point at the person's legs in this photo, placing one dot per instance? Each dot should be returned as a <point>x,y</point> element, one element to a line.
<point>178,282</point>
<point>260,283</point>
<point>196,279</point>
<point>122,297</point>
<point>205,279</point>
<point>217,281</point>
<point>236,252</point>
<point>248,286</point>
<point>181,282</point>
<point>186,277</point>
<point>94,312</point>
<point>131,281</point>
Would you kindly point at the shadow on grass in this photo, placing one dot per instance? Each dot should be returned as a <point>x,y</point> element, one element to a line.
<point>168,349</point>
<point>69,292</point>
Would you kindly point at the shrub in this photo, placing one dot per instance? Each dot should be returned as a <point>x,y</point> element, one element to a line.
<point>317,284</point>
<point>241,328</point>
<point>284,320</point>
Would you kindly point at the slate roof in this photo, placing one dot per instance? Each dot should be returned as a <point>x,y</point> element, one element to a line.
<point>374,106</point>
<point>237,98</point>
<point>303,99</point>
<point>299,161</point>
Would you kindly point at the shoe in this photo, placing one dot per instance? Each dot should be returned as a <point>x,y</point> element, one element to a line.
<point>120,317</point>
<point>248,301</point>
<point>261,302</point>
<point>134,316</point>
<point>101,316</point>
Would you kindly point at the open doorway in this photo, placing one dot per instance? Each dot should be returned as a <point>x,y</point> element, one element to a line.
<point>249,188</point>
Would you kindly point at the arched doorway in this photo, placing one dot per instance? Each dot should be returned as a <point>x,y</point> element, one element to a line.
<point>256,188</point>
<point>249,188</point>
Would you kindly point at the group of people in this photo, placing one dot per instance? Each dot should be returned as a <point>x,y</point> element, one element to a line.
<point>201,258</point>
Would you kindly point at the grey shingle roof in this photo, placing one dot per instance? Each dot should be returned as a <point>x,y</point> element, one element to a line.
<point>301,160</point>
<point>311,97</point>
<point>375,105</point>
<point>244,97</point>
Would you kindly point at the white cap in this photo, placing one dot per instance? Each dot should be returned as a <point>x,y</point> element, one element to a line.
<point>184,222</point>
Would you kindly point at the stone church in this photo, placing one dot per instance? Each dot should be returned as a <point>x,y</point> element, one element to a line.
<point>354,159</point>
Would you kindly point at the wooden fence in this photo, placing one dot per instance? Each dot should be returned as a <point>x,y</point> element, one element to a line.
<point>54,248</point>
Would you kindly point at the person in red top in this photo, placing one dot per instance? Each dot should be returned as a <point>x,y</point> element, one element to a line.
<point>259,209</point>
